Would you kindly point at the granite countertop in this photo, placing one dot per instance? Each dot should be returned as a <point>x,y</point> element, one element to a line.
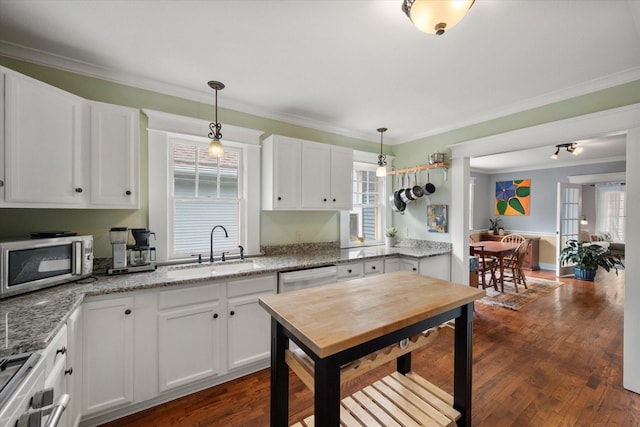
<point>28,322</point>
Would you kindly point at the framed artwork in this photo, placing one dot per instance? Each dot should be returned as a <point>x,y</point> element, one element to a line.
<point>437,218</point>
<point>513,197</point>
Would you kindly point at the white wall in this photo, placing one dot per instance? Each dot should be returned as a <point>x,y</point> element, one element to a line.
<point>631,367</point>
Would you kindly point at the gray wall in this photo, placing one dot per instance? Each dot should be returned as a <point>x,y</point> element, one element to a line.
<point>542,218</point>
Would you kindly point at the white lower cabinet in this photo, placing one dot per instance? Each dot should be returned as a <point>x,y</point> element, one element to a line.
<point>438,266</point>
<point>107,341</point>
<point>248,324</point>
<point>400,264</point>
<point>189,328</point>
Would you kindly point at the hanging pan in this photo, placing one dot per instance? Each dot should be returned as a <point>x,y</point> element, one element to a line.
<point>429,188</point>
<point>396,203</point>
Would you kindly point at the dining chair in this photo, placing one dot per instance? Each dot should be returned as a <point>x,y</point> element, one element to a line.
<point>486,264</point>
<point>513,271</point>
<point>512,238</point>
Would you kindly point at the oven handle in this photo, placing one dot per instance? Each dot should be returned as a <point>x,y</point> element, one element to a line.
<point>57,410</point>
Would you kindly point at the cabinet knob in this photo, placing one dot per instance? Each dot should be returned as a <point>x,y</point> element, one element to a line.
<point>415,269</point>
<point>373,267</point>
<point>349,271</point>
<point>334,200</point>
<point>1,183</point>
<point>62,350</point>
<point>78,190</point>
<point>232,313</point>
<point>127,311</point>
<point>128,192</point>
<point>324,200</point>
<point>68,371</point>
<point>279,198</point>
<point>215,315</point>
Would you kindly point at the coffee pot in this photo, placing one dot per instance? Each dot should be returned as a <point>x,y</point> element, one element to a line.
<point>127,258</point>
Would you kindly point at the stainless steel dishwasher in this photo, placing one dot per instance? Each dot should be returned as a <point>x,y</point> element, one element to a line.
<point>308,278</point>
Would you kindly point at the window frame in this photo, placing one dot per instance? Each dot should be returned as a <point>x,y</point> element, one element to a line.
<point>370,160</point>
<point>162,127</point>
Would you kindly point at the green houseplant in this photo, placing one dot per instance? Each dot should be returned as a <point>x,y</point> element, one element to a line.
<point>390,236</point>
<point>495,224</point>
<point>587,258</point>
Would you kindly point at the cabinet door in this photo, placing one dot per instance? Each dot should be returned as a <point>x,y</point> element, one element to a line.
<point>107,374</point>
<point>189,344</point>
<point>249,331</point>
<point>114,156</point>
<point>436,266</point>
<point>43,154</point>
<point>281,173</point>
<point>409,265</point>
<point>341,178</point>
<point>391,265</point>
<point>316,176</point>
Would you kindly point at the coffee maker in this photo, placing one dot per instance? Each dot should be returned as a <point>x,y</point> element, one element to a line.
<point>131,258</point>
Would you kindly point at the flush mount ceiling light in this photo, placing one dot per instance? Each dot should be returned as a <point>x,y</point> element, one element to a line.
<point>571,147</point>
<point>215,146</point>
<point>382,159</point>
<point>436,16</point>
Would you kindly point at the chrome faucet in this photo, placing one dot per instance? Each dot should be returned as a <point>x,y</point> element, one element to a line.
<point>225,235</point>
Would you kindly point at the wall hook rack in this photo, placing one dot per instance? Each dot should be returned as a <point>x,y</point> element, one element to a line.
<point>443,166</point>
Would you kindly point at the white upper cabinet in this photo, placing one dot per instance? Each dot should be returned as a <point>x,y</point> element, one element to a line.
<point>42,144</point>
<point>58,150</point>
<point>281,173</point>
<point>305,175</point>
<point>114,156</point>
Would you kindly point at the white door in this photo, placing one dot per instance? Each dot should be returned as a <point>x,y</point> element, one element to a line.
<point>568,221</point>
<point>189,342</point>
<point>107,340</point>
<point>341,178</point>
<point>249,331</point>
<point>43,145</point>
<point>114,156</point>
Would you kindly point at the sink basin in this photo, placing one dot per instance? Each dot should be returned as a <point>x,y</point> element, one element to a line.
<point>193,271</point>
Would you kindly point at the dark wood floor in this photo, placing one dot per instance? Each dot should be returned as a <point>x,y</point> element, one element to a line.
<point>556,362</point>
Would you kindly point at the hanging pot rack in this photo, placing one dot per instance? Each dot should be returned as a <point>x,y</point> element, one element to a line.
<point>444,166</point>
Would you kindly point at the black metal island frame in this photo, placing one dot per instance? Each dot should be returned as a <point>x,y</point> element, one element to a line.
<point>336,324</point>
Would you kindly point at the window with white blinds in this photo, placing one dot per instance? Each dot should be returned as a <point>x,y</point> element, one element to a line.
<point>205,194</point>
<point>365,219</point>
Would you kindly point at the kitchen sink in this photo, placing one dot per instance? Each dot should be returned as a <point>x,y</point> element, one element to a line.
<point>209,269</point>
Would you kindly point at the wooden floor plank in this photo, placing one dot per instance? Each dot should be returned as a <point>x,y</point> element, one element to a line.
<point>541,359</point>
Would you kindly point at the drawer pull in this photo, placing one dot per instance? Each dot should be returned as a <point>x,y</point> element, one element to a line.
<point>62,350</point>
<point>232,313</point>
<point>78,190</point>
<point>128,192</point>
<point>215,315</point>
<point>68,371</point>
<point>350,271</point>
<point>373,267</point>
<point>127,311</point>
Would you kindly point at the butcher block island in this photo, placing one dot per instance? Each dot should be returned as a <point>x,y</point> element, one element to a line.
<point>335,325</point>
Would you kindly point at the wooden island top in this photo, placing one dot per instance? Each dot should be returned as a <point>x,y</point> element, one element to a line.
<point>332,318</point>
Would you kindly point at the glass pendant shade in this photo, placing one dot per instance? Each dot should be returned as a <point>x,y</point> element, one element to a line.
<point>381,171</point>
<point>215,148</point>
<point>436,16</point>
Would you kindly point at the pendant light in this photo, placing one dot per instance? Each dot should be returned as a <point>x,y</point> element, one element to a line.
<point>382,159</point>
<point>436,16</point>
<point>215,146</point>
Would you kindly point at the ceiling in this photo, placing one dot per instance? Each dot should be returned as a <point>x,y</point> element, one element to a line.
<point>347,66</point>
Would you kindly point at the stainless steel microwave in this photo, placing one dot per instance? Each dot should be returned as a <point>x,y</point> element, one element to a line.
<point>29,265</point>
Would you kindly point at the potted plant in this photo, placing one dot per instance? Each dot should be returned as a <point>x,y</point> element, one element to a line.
<point>495,224</point>
<point>587,258</point>
<point>390,236</point>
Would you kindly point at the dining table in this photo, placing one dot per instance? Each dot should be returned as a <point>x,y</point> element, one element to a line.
<point>499,250</point>
<point>339,323</point>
